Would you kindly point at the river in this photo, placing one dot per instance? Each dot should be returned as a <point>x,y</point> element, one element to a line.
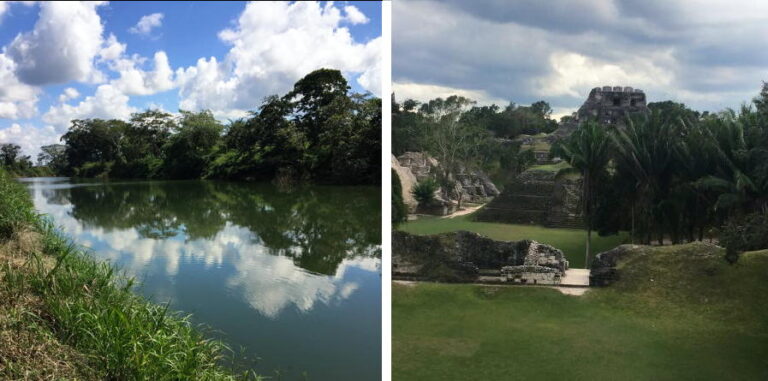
<point>291,279</point>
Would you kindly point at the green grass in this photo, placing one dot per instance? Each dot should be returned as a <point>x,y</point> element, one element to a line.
<point>88,306</point>
<point>673,316</point>
<point>571,241</point>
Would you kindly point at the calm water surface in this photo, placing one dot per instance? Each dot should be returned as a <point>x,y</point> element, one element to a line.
<point>292,278</point>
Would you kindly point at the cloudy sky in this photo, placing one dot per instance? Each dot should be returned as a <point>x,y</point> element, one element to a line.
<point>63,61</point>
<point>709,54</point>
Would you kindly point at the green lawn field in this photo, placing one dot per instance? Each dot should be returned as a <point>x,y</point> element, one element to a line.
<point>669,318</point>
<point>571,241</point>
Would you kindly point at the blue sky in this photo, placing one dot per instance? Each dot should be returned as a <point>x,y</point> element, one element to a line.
<point>708,54</point>
<point>80,60</point>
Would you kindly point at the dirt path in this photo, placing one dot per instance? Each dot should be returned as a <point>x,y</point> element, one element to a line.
<point>464,211</point>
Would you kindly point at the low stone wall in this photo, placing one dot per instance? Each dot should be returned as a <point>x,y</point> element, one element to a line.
<point>462,256</point>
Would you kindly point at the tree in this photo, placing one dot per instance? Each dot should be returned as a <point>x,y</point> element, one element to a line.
<point>587,150</point>
<point>141,146</point>
<point>95,141</point>
<point>53,156</point>
<point>188,152</point>
<point>454,143</point>
<point>9,153</point>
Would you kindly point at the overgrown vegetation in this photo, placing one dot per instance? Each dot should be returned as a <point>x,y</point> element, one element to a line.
<point>680,174</point>
<point>744,233</point>
<point>424,192</point>
<point>76,308</point>
<point>318,132</point>
<point>463,136</point>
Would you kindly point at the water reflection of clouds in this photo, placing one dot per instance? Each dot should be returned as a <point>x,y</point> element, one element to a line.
<point>268,283</point>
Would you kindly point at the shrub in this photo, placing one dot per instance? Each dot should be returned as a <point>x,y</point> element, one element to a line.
<point>399,210</point>
<point>424,192</point>
<point>745,233</point>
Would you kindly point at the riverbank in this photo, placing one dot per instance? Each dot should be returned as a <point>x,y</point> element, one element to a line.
<point>64,315</point>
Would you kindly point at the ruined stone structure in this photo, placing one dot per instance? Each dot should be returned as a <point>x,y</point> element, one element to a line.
<point>608,105</point>
<point>407,181</point>
<point>540,198</point>
<point>464,256</point>
<point>473,185</point>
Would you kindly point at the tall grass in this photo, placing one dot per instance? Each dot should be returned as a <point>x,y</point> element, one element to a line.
<point>90,306</point>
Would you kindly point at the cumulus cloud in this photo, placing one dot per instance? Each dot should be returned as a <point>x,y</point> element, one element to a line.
<point>61,47</point>
<point>108,102</point>
<point>147,23</point>
<point>29,138</point>
<point>17,100</point>
<point>354,16</point>
<point>68,94</point>
<point>708,54</point>
<point>273,44</point>
<point>135,81</point>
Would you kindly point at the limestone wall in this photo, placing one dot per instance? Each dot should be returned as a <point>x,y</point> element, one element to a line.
<point>407,181</point>
<point>474,186</point>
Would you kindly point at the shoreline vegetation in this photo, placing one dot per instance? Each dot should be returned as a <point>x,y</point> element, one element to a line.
<point>318,133</point>
<point>65,315</point>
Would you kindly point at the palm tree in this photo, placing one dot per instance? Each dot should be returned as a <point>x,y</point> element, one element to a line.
<point>588,151</point>
<point>647,146</point>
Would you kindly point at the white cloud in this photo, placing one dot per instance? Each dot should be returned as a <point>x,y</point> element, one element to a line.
<point>147,23</point>
<point>3,8</point>
<point>112,49</point>
<point>354,16</point>
<point>424,93</point>
<point>134,81</point>
<point>29,138</point>
<point>107,103</point>
<point>572,74</point>
<point>274,44</point>
<point>17,100</point>
<point>68,94</point>
<point>62,46</point>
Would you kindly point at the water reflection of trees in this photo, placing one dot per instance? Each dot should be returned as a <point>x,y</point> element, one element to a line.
<point>317,227</point>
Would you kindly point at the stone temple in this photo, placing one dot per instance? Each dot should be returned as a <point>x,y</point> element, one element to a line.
<point>608,105</point>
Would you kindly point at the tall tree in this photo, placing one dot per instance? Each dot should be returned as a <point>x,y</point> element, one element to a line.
<point>588,150</point>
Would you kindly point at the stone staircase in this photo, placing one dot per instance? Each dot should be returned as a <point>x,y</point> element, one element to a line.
<point>537,198</point>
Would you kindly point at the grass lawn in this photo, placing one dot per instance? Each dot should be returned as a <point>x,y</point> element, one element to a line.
<point>708,323</point>
<point>571,241</point>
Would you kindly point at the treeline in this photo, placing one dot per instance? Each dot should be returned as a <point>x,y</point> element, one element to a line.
<point>318,132</point>
<point>17,165</point>
<point>676,174</point>
<point>457,132</point>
